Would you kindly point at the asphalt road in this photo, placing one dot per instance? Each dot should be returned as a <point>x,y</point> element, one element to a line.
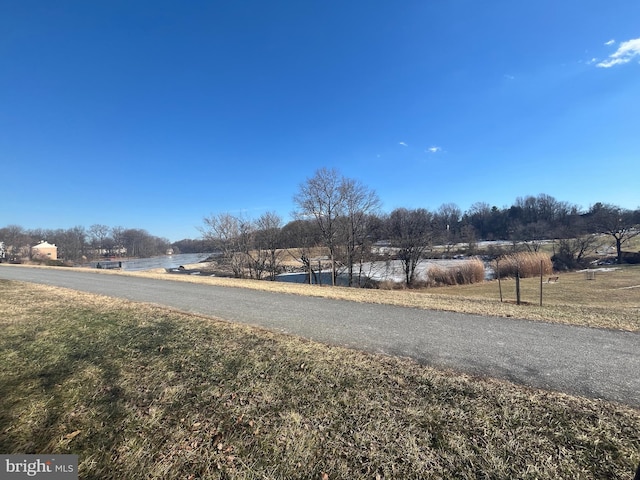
<point>592,362</point>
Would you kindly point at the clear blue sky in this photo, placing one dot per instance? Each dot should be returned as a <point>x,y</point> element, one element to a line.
<point>154,114</point>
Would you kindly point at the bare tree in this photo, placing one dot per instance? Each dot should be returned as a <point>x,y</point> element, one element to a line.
<point>532,235</point>
<point>71,242</point>
<point>619,223</point>
<point>15,239</point>
<point>447,219</point>
<point>321,197</point>
<point>410,232</point>
<point>140,243</point>
<point>359,205</point>
<point>268,239</point>
<point>98,234</point>
<point>249,256</point>
<point>304,235</point>
<point>117,234</point>
<point>224,230</point>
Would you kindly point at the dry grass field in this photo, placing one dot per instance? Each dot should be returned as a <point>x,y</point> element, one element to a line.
<point>141,392</point>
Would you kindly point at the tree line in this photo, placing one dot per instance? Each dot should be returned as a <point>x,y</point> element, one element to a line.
<point>344,216</point>
<point>79,243</point>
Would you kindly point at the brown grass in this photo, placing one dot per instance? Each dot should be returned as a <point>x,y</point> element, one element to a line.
<point>609,301</point>
<point>143,392</point>
<point>529,264</point>
<point>464,273</point>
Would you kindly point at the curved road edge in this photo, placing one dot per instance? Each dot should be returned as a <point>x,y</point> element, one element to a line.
<point>585,361</point>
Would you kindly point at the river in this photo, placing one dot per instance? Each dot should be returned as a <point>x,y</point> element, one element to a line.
<point>162,261</point>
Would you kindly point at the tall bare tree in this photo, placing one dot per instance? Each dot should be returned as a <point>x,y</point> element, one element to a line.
<point>98,234</point>
<point>321,197</point>
<point>117,233</point>
<point>359,204</point>
<point>447,221</point>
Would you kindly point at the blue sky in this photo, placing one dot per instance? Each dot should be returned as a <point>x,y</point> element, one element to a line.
<point>154,114</point>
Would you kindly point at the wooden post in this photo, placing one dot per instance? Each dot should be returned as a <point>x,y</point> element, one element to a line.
<point>540,282</point>
<point>518,285</point>
<point>499,282</point>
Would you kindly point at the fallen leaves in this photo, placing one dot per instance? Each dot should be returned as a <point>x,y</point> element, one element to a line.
<point>72,435</point>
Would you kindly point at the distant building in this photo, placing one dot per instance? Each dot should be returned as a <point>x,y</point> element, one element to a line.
<point>45,250</point>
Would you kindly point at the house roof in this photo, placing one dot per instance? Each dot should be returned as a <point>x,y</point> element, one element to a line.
<point>44,245</point>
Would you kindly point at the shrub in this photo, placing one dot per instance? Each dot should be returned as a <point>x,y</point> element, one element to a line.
<point>390,285</point>
<point>528,263</point>
<point>631,257</point>
<point>469,271</point>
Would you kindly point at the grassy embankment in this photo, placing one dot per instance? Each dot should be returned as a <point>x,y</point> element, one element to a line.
<point>143,392</point>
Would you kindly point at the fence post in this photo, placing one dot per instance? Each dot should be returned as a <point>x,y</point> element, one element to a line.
<point>498,273</point>
<point>518,285</point>
<point>540,282</point>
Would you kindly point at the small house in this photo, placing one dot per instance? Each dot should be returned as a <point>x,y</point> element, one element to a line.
<point>45,250</point>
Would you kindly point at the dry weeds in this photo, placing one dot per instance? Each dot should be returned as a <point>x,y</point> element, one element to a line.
<point>527,264</point>
<point>464,273</point>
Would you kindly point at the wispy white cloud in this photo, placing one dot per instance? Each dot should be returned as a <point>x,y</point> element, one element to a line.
<point>626,52</point>
<point>509,77</point>
<point>403,144</point>
<point>433,149</point>
<point>610,42</point>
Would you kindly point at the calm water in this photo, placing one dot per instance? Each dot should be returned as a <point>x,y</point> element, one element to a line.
<point>163,261</point>
<point>391,270</point>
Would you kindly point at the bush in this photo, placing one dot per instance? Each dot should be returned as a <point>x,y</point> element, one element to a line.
<point>631,257</point>
<point>55,263</point>
<point>469,271</point>
<point>528,263</point>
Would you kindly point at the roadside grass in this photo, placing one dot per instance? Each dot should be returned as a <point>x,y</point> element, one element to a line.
<point>138,391</point>
<point>611,300</point>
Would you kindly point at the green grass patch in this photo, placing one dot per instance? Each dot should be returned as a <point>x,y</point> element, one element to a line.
<point>138,391</point>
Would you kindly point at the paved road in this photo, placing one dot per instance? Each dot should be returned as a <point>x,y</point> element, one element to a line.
<point>591,362</point>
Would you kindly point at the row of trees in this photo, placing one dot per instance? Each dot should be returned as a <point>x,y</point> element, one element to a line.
<point>338,213</point>
<point>247,246</point>
<point>78,243</point>
<point>343,215</point>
